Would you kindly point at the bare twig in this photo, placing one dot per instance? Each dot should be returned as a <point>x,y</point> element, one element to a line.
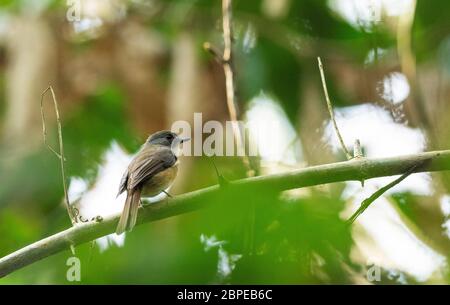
<point>229,75</point>
<point>60,155</point>
<point>368,201</point>
<point>330,110</point>
<point>227,63</point>
<point>227,31</point>
<point>328,173</point>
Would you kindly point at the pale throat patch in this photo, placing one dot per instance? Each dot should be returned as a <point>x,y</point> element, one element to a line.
<point>176,147</point>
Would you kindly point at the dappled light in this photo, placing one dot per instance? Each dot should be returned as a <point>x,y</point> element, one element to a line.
<point>224,142</point>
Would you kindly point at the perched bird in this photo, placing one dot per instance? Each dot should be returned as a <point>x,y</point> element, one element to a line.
<point>150,173</point>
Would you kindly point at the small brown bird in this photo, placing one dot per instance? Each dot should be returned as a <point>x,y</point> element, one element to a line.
<point>150,173</point>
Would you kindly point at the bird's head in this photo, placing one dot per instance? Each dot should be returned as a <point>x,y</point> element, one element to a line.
<point>166,138</point>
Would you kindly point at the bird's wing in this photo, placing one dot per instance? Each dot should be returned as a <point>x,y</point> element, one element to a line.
<point>123,183</point>
<point>148,163</point>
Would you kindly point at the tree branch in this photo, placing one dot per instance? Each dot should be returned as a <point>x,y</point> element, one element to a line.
<point>354,170</point>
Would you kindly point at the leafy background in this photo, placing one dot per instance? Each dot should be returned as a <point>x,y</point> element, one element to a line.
<point>133,67</point>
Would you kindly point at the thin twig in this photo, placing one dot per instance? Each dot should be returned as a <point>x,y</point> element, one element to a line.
<point>60,155</point>
<point>227,64</point>
<point>330,110</point>
<point>227,31</point>
<point>227,60</point>
<point>188,202</point>
<point>368,201</point>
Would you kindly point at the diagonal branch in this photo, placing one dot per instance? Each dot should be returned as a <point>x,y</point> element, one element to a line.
<point>356,170</point>
<point>368,201</point>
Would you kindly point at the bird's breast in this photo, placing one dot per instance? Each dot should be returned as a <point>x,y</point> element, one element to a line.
<point>160,182</point>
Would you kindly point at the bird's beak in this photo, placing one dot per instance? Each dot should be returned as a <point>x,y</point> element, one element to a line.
<point>184,140</point>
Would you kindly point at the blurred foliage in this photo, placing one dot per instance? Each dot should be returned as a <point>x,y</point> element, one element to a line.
<point>302,240</point>
<point>91,130</point>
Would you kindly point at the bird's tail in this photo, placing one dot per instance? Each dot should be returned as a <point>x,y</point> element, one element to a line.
<point>129,214</point>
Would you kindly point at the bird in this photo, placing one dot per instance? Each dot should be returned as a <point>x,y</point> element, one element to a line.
<point>150,172</point>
